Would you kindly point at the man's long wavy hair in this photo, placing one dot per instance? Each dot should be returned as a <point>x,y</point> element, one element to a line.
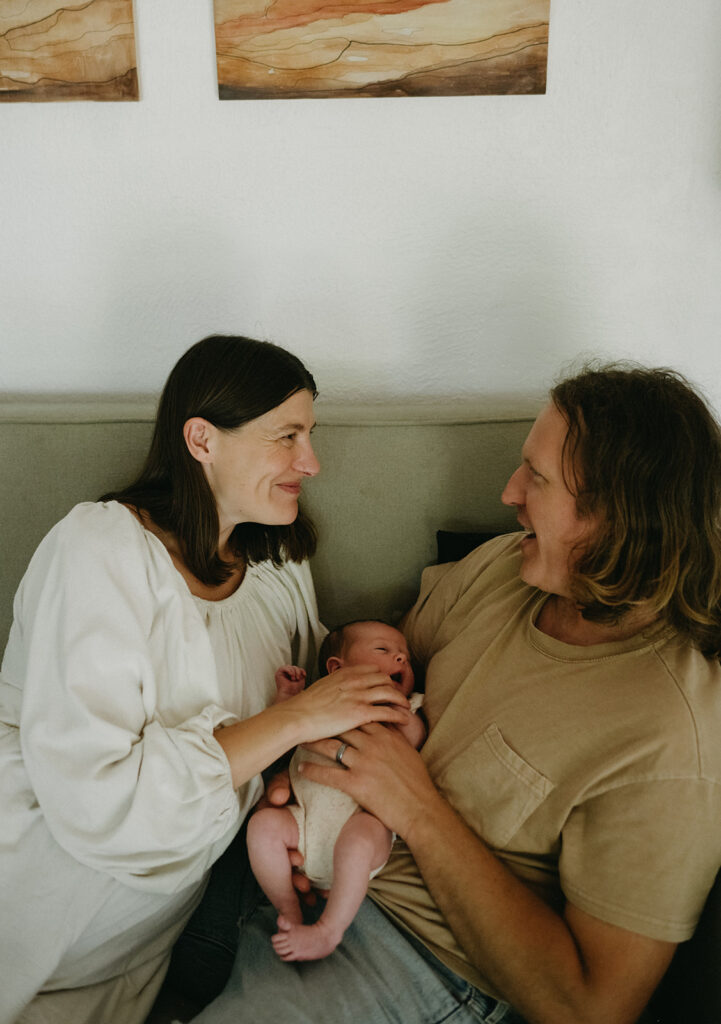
<point>643,453</point>
<point>227,380</point>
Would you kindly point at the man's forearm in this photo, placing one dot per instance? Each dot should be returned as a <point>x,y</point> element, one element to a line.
<point>530,953</point>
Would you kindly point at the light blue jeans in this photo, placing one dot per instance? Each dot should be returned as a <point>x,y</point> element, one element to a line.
<point>376,976</point>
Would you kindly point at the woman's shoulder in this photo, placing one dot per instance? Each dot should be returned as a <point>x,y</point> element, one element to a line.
<point>95,553</point>
<point>98,512</point>
<point>98,522</point>
<point>93,533</point>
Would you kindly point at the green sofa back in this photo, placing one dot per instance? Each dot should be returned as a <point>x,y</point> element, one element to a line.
<point>390,478</point>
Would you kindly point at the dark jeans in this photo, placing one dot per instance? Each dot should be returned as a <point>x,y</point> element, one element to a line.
<point>203,955</point>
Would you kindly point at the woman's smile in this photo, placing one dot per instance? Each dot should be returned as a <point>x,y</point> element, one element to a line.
<point>248,467</point>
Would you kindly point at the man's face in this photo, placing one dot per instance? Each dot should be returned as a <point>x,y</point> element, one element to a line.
<point>546,508</point>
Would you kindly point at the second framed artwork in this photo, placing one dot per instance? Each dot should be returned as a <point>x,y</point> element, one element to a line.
<point>293,49</point>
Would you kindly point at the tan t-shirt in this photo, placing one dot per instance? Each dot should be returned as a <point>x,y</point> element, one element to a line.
<point>594,773</point>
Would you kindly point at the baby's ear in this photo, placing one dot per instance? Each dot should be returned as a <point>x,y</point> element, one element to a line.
<point>333,664</point>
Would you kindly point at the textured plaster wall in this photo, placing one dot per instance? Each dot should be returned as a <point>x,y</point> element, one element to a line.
<point>431,248</point>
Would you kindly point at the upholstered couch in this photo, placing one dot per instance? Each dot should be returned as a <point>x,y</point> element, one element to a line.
<point>391,478</point>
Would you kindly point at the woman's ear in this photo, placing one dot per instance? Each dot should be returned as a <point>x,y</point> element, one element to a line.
<point>198,434</point>
<point>333,664</point>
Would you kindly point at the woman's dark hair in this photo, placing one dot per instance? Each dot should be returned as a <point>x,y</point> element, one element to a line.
<point>643,453</point>
<point>227,380</point>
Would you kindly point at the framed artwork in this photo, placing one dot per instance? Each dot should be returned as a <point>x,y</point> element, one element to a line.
<point>83,50</point>
<point>288,49</point>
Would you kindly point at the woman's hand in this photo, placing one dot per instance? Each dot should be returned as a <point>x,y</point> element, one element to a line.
<point>345,699</point>
<point>381,771</point>
<point>341,701</point>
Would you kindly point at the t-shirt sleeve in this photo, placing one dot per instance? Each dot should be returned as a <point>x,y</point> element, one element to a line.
<point>644,856</point>
<point>122,792</point>
<point>441,588</point>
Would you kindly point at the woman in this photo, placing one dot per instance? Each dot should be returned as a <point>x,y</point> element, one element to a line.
<point>561,827</point>
<point>137,686</point>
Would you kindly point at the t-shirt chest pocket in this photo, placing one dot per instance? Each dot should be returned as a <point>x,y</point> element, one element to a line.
<point>492,788</point>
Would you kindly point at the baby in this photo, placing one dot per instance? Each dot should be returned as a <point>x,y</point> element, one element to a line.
<point>342,845</point>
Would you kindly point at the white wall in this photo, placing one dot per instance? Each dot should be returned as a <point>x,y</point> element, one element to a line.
<point>403,247</point>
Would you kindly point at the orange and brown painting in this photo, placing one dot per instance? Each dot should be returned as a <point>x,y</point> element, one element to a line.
<point>72,51</point>
<point>322,48</point>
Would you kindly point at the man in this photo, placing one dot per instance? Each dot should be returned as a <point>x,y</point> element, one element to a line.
<point>562,825</point>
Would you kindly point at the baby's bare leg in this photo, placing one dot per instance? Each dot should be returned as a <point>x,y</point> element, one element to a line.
<point>363,845</point>
<point>272,832</point>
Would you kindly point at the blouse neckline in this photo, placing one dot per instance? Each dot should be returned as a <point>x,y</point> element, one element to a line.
<point>156,542</point>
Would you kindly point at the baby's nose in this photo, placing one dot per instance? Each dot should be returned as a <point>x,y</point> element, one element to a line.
<point>400,656</point>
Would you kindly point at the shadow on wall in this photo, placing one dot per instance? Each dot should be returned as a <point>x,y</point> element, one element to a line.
<point>495,306</point>
<point>177,284</point>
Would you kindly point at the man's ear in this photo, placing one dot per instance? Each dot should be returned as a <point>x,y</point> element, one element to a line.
<point>199,434</point>
<point>333,664</point>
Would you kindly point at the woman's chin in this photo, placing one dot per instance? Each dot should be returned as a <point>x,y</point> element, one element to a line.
<point>284,516</point>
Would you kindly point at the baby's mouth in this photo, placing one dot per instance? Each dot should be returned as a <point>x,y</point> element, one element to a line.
<point>397,678</point>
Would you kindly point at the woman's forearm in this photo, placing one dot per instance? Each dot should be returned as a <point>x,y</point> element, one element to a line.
<point>348,698</point>
<point>255,743</point>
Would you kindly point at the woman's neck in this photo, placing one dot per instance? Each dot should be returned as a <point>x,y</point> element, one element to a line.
<point>196,587</point>
<point>561,618</point>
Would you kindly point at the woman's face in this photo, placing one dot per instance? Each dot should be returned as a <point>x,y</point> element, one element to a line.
<point>256,471</point>
<point>546,508</point>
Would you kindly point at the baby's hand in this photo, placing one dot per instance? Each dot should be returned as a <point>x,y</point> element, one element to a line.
<point>289,679</point>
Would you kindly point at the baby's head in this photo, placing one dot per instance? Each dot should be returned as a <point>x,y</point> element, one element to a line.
<point>369,642</point>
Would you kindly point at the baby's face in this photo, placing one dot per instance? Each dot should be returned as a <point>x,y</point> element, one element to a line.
<point>374,643</point>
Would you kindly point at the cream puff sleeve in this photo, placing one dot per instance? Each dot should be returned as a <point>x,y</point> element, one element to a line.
<point>120,700</point>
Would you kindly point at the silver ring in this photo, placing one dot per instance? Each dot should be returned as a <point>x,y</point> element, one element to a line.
<point>340,752</point>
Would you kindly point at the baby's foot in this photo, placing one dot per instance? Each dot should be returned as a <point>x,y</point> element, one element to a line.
<point>304,941</point>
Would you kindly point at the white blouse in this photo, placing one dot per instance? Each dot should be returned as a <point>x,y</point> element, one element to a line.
<point>117,677</point>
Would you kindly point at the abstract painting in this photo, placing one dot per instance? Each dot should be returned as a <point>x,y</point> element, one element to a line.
<point>73,51</point>
<point>287,49</point>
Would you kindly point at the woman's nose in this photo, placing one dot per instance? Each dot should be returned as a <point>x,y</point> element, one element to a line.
<point>307,463</point>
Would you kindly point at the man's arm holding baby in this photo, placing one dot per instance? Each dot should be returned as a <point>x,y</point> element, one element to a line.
<point>568,968</point>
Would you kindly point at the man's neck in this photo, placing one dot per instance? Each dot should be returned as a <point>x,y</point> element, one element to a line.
<point>561,618</point>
